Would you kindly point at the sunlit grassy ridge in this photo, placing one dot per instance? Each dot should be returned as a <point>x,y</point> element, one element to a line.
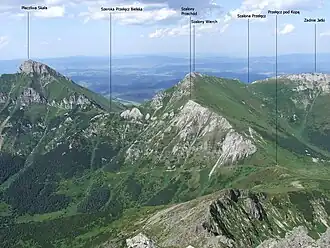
<point>65,171</point>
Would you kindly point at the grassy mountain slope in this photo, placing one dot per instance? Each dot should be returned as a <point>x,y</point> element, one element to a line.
<point>301,102</point>
<point>82,175</point>
<point>52,132</point>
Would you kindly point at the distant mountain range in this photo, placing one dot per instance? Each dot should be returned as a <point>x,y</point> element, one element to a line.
<point>138,78</point>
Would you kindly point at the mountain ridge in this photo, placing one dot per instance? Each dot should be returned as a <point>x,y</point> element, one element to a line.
<point>31,66</point>
<point>50,84</point>
<point>85,174</point>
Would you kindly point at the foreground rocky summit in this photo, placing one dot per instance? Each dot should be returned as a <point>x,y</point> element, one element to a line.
<point>86,172</point>
<point>241,218</point>
<point>140,241</point>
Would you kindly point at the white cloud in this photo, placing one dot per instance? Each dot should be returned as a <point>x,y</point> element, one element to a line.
<point>232,15</point>
<point>165,12</point>
<point>247,7</point>
<point>261,6</point>
<point>185,30</point>
<point>12,8</point>
<point>51,12</point>
<point>172,4</point>
<point>4,41</point>
<point>146,17</point>
<point>288,28</point>
<point>161,9</point>
<point>282,4</point>
<point>154,11</point>
<point>327,33</point>
<point>160,33</point>
<point>46,43</point>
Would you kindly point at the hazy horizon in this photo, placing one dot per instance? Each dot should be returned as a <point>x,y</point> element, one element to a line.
<point>169,55</point>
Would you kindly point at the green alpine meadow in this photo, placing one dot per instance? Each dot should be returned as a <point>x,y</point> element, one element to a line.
<point>210,162</point>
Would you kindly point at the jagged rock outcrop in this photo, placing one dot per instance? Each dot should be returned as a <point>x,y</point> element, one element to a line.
<point>30,66</point>
<point>71,102</point>
<point>140,241</point>
<point>134,114</point>
<point>190,133</point>
<point>298,238</point>
<point>251,207</point>
<point>51,87</point>
<point>185,87</point>
<point>157,101</point>
<point>29,96</point>
<point>312,81</point>
<point>304,81</point>
<point>3,98</point>
<point>240,218</point>
<point>182,89</point>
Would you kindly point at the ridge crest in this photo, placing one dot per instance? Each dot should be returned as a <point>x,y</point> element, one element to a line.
<point>31,66</point>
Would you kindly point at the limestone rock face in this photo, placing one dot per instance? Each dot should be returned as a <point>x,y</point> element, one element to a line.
<point>188,134</point>
<point>312,81</point>
<point>305,81</point>
<point>219,211</point>
<point>30,66</point>
<point>140,241</point>
<point>29,96</point>
<point>39,90</point>
<point>134,114</point>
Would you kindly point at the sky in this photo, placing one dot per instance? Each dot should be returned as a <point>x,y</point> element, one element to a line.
<point>79,27</point>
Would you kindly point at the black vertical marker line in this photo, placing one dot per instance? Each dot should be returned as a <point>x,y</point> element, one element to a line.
<point>28,35</point>
<point>315,47</point>
<point>194,48</point>
<point>248,49</point>
<point>110,61</point>
<point>190,63</point>
<point>276,93</point>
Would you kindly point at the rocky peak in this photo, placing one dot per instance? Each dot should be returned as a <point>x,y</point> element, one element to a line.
<point>304,81</point>
<point>185,87</point>
<point>193,75</point>
<point>308,77</point>
<point>312,81</point>
<point>189,78</point>
<point>31,66</point>
<point>140,241</point>
<point>182,89</point>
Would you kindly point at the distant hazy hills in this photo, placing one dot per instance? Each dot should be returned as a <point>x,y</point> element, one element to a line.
<point>138,78</point>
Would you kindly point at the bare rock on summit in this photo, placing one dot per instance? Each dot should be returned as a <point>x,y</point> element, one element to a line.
<point>305,81</point>
<point>140,241</point>
<point>30,66</point>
